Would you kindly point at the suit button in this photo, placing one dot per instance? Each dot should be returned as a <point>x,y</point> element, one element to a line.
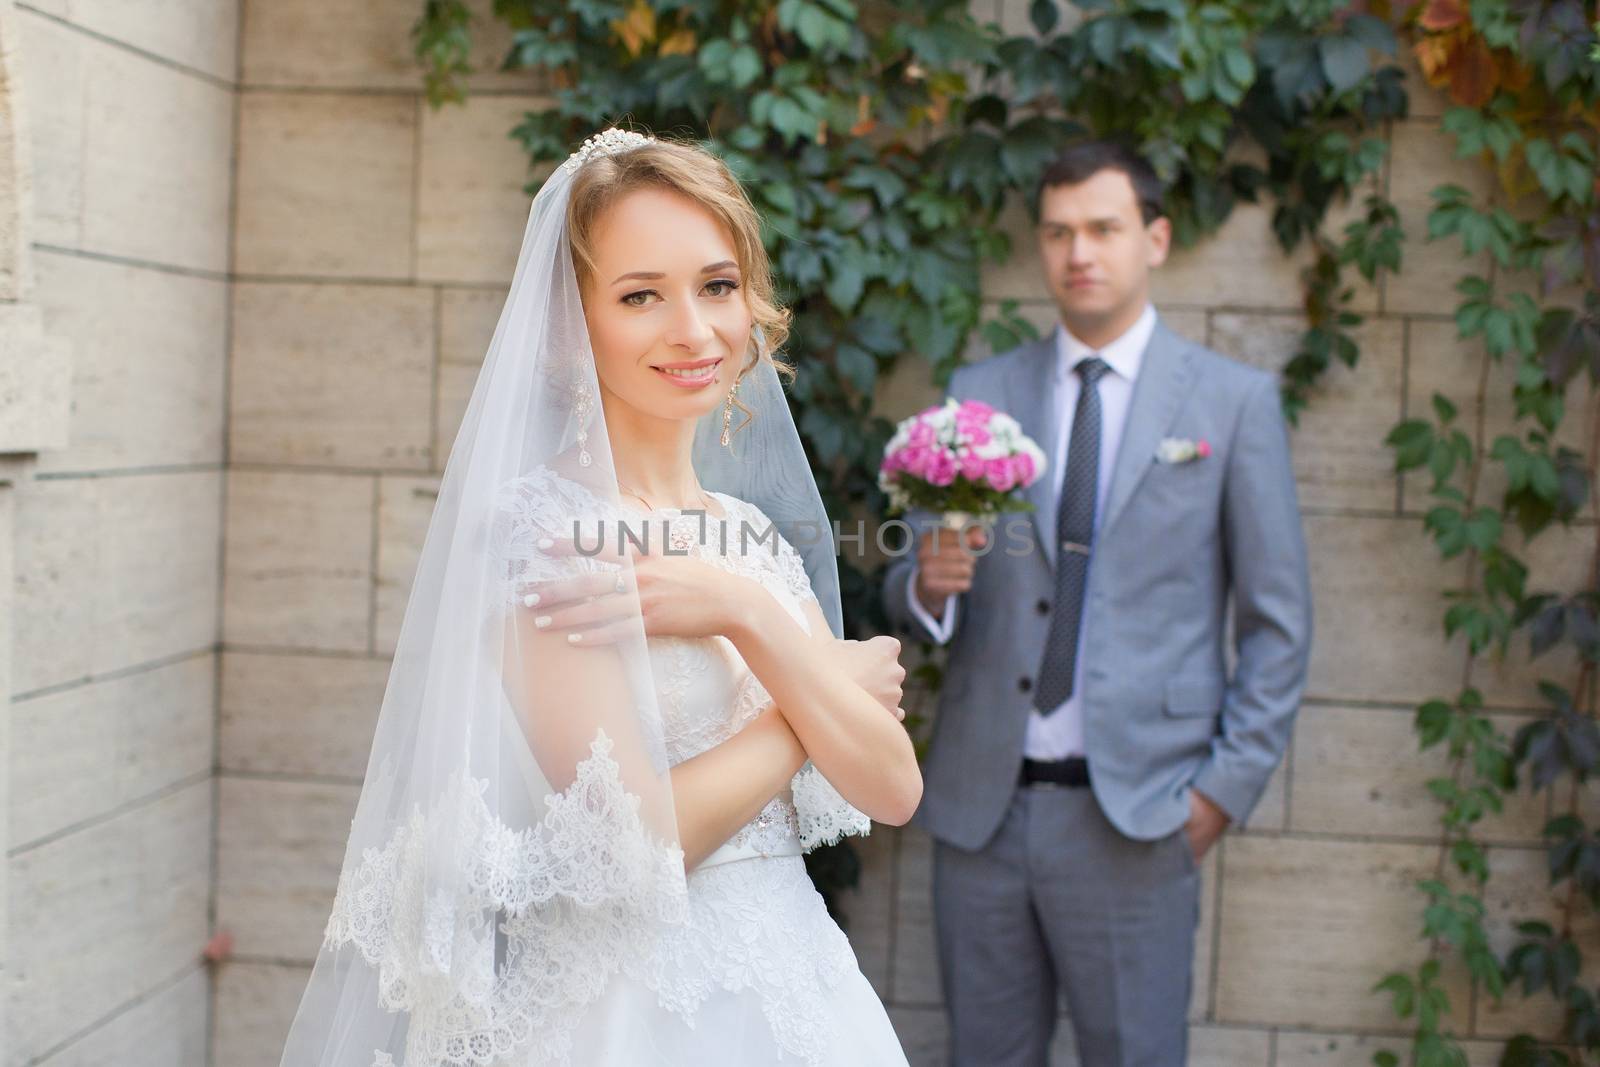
<point>1044,607</point>
<point>1025,683</point>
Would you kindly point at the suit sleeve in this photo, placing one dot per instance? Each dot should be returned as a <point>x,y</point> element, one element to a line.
<point>905,612</point>
<point>1271,591</point>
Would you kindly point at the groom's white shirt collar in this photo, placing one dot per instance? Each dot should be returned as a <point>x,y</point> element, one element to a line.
<point>1123,355</point>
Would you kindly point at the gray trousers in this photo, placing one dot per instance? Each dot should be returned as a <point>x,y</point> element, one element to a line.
<point>1060,901</point>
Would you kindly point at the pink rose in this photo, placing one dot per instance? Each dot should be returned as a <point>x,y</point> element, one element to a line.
<point>975,409</point>
<point>1000,474</point>
<point>971,466</point>
<point>941,468</point>
<point>976,433</point>
<point>1203,449</point>
<point>1023,463</point>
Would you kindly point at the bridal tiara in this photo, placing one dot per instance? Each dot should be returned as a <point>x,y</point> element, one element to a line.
<point>605,143</point>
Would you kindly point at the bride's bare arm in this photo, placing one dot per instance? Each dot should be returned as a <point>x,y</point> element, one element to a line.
<point>859,747</point>
<point>581,690</point>
<point>723,788</point>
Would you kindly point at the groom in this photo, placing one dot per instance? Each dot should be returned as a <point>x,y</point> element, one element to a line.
<point>1089,744</point>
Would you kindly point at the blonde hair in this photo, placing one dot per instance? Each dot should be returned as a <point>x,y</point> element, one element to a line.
<point>705,179</point>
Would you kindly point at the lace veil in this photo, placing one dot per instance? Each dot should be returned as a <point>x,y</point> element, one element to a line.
<point>514,843</point>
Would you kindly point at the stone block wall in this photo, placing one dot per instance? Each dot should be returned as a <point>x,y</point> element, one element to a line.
<point>359,363</point>
<point>126,115</point>
<point>278,269</point>
<point>374,240</point>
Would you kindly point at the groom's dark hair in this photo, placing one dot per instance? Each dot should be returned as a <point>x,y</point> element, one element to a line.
<point>1083,160</point>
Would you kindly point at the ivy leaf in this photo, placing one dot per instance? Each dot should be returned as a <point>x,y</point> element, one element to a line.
<point>1548,626</point>
<point>1449,529</point>
<point>1296,73</point>
<point>824,432</point>
<point>1477,131</point>
<point>1344,61</point>
<point>844,282</point>
<point>744,66</point>
<point>1044,15</point>
<point>725,62</point>
<point>1443,408</point>
<point>1412,441</point>
<point>1566,341</point>
<point>1470,859</point>
<point>1561,742</point>
<point>817,29</point>
<point>1240,67</point>
<point>858,366</point>
<point>1433,722</point>
<point>1583,624</point>
<point>1557,39</point>
<point>1483,529</point>
<point>875,333</point>
<point>1560,174</point>
<point>1372,32</point>
<point>1402,991</point>
<point>888,186</point>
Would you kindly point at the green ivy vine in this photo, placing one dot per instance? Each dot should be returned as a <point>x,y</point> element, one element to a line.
<point>1524,80</point>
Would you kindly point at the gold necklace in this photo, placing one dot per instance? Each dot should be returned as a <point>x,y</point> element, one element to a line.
<point>648,506</point>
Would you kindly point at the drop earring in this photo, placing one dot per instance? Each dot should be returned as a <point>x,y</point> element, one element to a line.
<point>727,414</point>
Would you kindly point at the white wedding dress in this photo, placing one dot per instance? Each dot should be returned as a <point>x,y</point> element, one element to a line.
<point>753,971</point>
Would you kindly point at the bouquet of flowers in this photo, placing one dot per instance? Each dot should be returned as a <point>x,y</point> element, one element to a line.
<point>964,460</point>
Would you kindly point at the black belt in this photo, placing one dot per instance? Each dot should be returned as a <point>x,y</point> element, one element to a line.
<point>1072,772</point>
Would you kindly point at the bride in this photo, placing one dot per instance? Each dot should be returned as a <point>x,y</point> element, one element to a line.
<point>620,709</point>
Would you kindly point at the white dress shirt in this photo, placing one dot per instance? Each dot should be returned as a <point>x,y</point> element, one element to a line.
<point>1060,734</point>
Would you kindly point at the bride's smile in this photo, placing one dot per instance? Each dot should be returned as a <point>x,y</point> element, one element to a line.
<point>692,375</point>
<point>668,320</point>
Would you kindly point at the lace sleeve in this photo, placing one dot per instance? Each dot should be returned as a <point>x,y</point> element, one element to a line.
<point>825,816</point>
<point>529,509</point>
<point>793,570</point>
<point>570,899</point>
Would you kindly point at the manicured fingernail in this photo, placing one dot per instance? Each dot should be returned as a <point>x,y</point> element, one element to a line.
<point>546,543</point>
<point>530,600</point>
<point>542,621</point>
<point>573,639</point>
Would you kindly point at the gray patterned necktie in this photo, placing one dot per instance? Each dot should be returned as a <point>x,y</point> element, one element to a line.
<point>1074,536</point>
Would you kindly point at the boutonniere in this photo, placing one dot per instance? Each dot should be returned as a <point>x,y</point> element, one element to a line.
<point>1182,450</point>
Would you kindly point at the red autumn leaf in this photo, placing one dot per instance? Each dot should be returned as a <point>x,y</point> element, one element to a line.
<point>1442,15</point>
<point>1472,73</point>
<point>1433,56</point>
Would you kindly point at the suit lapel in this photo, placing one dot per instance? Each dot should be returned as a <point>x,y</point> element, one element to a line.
<point>1164,378</point>
<point>1031,394</point>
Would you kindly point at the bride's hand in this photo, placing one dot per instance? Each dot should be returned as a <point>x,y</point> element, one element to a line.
<point>685,597</point>
<point>678,596</point>
<point>874,665</point>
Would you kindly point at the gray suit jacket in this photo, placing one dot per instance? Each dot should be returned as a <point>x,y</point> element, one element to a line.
<point>1176,542</point>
